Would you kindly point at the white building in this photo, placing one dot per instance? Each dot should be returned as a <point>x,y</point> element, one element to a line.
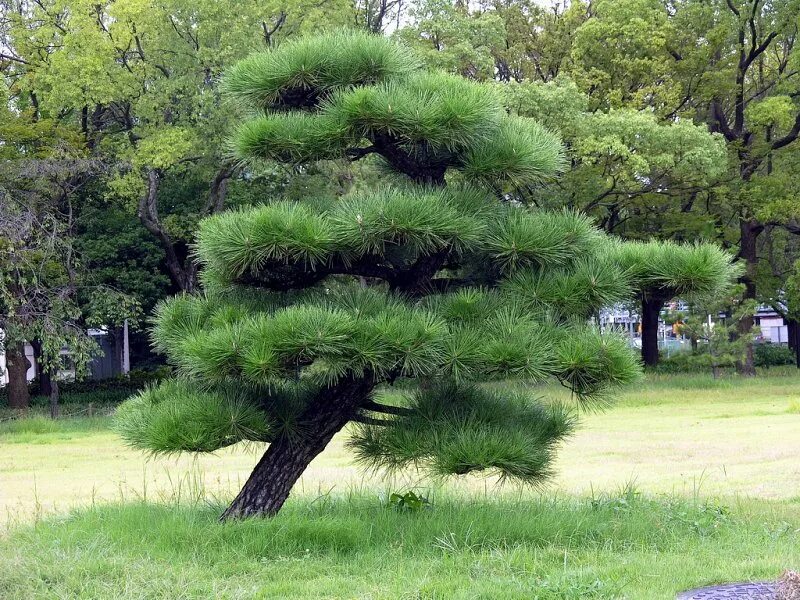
<point>113,359</point>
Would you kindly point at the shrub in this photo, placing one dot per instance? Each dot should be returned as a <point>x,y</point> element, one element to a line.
<point>772,355</point>
<point>105,391</point>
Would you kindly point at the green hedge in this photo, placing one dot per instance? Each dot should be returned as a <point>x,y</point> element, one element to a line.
<point>772,355</point>
<point>764,355</point>
<point>113,389</point>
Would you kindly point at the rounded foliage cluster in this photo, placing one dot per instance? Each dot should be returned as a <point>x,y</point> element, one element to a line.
<point>355,94</point>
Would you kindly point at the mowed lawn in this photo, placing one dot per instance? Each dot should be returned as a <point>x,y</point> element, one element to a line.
<point>684,482</point>
<point>671,434</point>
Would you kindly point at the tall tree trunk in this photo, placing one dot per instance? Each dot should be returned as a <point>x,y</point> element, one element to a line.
<point>793,327</point>
<point>17,365</point>
<point>749,229</point>
<point>651,309</point>
<point>43,374</point>
<point>287,457</point>
<point>54,395</point>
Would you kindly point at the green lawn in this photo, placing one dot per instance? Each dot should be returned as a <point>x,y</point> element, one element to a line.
<point>685,481</point>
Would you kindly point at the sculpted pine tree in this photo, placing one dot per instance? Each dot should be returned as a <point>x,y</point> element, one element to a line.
<point>311,309</point>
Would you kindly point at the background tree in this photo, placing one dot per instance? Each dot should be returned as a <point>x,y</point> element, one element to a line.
<point>310,308</point>
<point>41,166</point>
<point>636,173</point>
<point>637,176</point>
<point>39,279</point>
<point>504,41</point>
<point>139,79</point>
<point>661,271</point>
<point>731,65</point>
<point>728,66</point>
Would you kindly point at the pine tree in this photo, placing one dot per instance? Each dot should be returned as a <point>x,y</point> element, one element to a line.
<point>661,271</point>
<point>311,309</point>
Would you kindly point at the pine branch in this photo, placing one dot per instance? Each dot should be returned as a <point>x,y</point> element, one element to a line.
<point>386,408</point>
<point>364,420</point>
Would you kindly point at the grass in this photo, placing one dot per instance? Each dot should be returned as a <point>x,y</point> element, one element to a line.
<point>686,481</point>
<point>356,547</point>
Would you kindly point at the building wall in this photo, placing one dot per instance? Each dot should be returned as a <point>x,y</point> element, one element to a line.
<point>103,366</point>
<point>773,330</point>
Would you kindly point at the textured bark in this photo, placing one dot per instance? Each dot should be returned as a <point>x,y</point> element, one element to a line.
<point>287,457</point>
<point>17,366</point>
<point>182,270</point>
<point>43,375</point>
<point>55,410</point>
<point>793,329</point>
<point>748,231</point>
<point>651,309</point>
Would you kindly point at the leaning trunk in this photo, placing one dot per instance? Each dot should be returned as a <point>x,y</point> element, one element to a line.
<point>17,365</point>
<point>651,309</point>
<point>287,457</point>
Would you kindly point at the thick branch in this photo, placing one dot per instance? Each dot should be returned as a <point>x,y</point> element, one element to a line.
<point>5,56</point>
<point>720,121</point>
<point>148,215</point>
<point>789,137</point>
<point>218,190</point>
<point>386,409</point>
<point>413,280</point>
<point>355,154</point>
<point>364,420</point>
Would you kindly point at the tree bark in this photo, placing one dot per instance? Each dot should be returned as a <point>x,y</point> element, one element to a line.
<point>17,365</point>
<point>183,272</point>
<point>749,229</point>
<point>651,309</point>
<point>54,395</point>
<point>287,457</point>
<point>44,376</point>
<point>793,330</point>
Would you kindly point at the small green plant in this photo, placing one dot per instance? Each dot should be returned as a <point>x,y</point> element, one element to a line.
<point>408,502</point>
<point>624,500</point>
<point>703,519</point>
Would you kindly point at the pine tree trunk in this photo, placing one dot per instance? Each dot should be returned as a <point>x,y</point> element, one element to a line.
<point>287,457</point>
<point>17,365</point>
<point>651,309</point>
